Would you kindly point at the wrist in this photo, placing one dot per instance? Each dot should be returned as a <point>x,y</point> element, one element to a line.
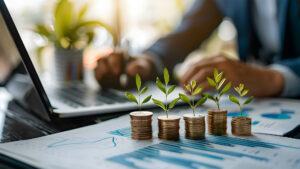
<point>277,79</point>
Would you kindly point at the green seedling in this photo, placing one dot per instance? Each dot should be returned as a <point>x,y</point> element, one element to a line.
<point>217,84</point>
<point>194,90</point>
<point>164,88</point>
<point>131,97</point>
<point>242,92</point>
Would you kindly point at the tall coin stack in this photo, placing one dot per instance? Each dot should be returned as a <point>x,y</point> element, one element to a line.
<point>217,122</point>
<point>168,127</point>
<point>241,126</point>
<point>141,125</point>
<point>194,126</point>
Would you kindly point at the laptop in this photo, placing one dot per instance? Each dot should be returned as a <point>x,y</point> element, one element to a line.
<point>50,102</point>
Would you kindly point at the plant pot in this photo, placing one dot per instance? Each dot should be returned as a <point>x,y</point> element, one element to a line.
<point>141,125</point>
<point>68,66</point>
<point>241,126</point>
<point>194,126</point>
<point>168,127</point>
<point>217,121</point>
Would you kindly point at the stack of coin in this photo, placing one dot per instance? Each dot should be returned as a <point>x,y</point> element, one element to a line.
<point>194,126</point>
<point>241,126</point>
<point>217,122</point>
<point>141,125</point>
<point>168,127</point>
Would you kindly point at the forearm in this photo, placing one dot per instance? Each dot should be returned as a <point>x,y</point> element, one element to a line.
<point>195,27</point>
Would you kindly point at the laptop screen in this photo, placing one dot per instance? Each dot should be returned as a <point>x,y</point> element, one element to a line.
<point>13,55</point>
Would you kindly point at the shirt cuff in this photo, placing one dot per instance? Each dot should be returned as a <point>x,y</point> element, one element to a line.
<point>291,81</point>
<point>158,64</point>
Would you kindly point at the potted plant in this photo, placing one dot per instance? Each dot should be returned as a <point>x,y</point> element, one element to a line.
<point>141,121</point>
<point>217,118</point>
<point>69,33</point>
<point>194,123</point>
<point>168,125</point>
<point>241,125</point>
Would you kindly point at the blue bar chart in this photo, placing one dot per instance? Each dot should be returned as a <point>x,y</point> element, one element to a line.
<point>212,152</point>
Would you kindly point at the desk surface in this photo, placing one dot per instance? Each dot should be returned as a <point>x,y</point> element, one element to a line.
<point>18,124</point>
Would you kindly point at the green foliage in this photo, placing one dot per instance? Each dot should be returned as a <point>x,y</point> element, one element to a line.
<point>70,29</point>
<point>131,97</point>
<point>164,88</point>
<point>242,92</point>
<point>217,84</point>
<point>194,91</point>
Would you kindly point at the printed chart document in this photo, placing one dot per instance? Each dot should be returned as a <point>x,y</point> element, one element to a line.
<point>108,145</point>
<point>269,116</point>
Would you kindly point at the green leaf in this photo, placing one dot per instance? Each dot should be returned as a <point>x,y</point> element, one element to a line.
<point>173,103</point>
<point>84,24</point>
<point>166,76</point>
<point>225,89</point>
<point>193,83</point>
<point>138,82</point>
<point>234,99</point>
<point>146,99</point>
<point>237,90</point>
<point>131,97</point>
<point>241,88</point>
<point>210,97</point>
<point>171,89</point>
<point>216,73</point>
<point>197,91</point>
<point>144,90</point>
<point>244,92</point>
<point>219,77</point>
<point>211,82</point>
<point>221,83</point>
<point>83,11</point>
<point>185,98</point>
<point>188,87</point>
<point>160,85</point>
<point>201,101</point>
<point>248,100</point>
<point>159,103</point>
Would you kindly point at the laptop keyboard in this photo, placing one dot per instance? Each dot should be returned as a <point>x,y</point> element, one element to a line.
<point>84,97</point>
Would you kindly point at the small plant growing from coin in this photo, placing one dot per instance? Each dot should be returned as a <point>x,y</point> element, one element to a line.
<point>242,92</point>
<point>167,91</point>
<point>194,90</point>
<point>131,97</point>
<point>217,84</point>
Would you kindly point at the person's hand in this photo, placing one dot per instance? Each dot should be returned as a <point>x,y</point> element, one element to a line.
<point>262,82</point>
<point>110,68</point>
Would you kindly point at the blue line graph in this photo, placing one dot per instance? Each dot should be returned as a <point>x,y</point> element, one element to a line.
<point>208,148</point>
<point>67,142</point>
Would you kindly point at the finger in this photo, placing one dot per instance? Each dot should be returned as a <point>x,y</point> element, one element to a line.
<point>105,77</point>
<point>101,70</point>
<point>115,63</point>
<point>138,66</point>
<point>209,62</point>
<point>205,86</point>
<point>199,76</point>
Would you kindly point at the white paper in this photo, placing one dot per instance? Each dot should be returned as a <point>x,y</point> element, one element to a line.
<point>269,116</point>
<point>108,145</point>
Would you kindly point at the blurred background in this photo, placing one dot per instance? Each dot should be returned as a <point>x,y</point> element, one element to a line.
<point>130,25</point>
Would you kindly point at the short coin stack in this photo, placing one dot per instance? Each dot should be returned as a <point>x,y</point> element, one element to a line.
<point>194,126</point>
<point>168,127</point>
<point>241,126</point>
<point>217,122</point>
<point>141,125</point>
